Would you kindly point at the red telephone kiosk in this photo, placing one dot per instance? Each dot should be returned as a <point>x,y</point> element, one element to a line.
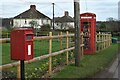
<point>88,27</point>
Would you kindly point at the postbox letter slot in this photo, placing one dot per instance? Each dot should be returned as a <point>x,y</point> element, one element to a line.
<point>29,37</point>
<point>29,49</point>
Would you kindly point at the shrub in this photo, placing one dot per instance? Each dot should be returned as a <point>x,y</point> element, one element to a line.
<point>45,27</point>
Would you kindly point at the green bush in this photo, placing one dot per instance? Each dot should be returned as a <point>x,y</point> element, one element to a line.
<point>46,27</point>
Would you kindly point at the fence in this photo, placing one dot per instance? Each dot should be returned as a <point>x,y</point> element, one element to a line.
<point>51,54</point>
<point>103,41</point>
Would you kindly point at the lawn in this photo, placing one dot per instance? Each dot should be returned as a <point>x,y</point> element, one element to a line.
<point>90,65</point>
<point>36,69</point>
<point>40,48</point>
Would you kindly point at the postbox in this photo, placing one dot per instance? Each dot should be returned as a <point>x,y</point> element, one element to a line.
<point>21,42</point>
<point>88,27</point>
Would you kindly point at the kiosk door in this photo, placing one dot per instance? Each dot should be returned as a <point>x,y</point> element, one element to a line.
<point>86,32</point>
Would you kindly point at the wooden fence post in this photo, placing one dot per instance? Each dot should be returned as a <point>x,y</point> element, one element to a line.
<point>96,42</point>
<point>50,51</point>
<point>7,35</point>
<point>107,40</point>
<point>18,71</point>
<point>104,40</point>
<point>82,50</point>
<point>67,42</point>
<point>61,40</point>
<point>110,39</point>
<point>99,46</point>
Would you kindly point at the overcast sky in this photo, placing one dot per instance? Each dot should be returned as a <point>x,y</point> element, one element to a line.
<point>102,8</point>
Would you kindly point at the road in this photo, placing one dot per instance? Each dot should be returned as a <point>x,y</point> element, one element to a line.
<point>111,71</point>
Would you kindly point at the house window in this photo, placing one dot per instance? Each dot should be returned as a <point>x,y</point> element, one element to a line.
<point>25,22</point>
<point>42,21</point>
<point>47,20</point>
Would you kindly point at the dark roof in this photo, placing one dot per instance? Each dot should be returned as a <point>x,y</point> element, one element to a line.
<point>31,13</point>
<point>57,19</point>
<point>65,18</point>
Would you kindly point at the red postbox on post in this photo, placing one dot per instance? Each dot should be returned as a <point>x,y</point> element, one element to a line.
<point>22,44</point>
<point>88,27</point>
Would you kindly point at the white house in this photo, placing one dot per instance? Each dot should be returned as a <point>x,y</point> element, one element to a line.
<point>31,15</point>
<point>64,22</point>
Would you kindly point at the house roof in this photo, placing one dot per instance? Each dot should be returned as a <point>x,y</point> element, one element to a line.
<point>65,18</point>
<point>31,13</point>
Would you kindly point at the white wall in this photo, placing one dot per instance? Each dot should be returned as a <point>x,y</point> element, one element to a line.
<point>21,22</point>
<point>66,25</point>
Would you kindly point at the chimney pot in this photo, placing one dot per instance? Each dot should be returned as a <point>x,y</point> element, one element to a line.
<point>32,7</point>
<point>66,13</point>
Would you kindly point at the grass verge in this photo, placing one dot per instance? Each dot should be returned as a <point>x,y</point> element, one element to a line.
<point>90,65</point>
<point>35,69</point>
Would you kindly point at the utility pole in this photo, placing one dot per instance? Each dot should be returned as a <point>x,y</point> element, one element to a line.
<point>77,32</point>
<point>53,14</point>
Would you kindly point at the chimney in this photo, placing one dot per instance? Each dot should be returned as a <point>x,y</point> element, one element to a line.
<point>66,13</point>
<point>33,7</point>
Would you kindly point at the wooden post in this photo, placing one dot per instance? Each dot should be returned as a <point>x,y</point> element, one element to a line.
<point>82,50</point>
<point>107,40</point>
<point>50,51</point>
<point>99,47</point>
<point>102,41</point>
<point>7,35</point>
<point>18,71</point>
<point>67,42</point>
<point>61,41</point>
<point>110,39</point>
<point>77,32</point>
<point>96,42</point>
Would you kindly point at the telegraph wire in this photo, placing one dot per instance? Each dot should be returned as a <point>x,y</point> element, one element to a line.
<point>47,4</point>
<point>86,5</point>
